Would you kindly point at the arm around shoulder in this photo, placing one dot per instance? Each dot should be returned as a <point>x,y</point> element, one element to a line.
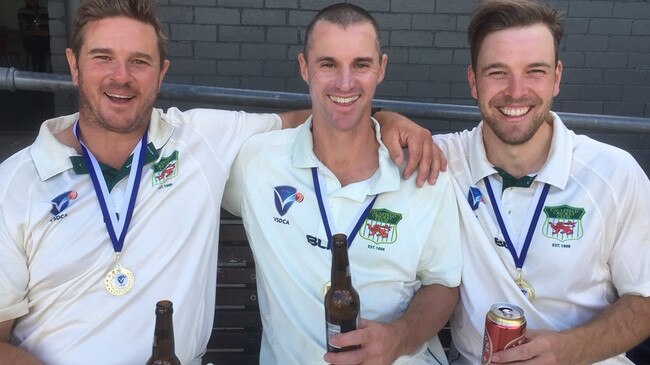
<point>294,118</point>
<point>424,156</point>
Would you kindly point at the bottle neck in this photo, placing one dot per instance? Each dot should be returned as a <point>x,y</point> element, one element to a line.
<point>340,276</point>
<point>163,335</point>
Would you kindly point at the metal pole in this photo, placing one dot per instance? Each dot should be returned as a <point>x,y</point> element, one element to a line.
<point>23,80</point>
<point>37,81</point>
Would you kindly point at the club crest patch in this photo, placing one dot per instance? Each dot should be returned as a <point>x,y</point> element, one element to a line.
<point>380,226</point>
<point>563,223</point>
<point>165,169</point>
<point>284,197</point>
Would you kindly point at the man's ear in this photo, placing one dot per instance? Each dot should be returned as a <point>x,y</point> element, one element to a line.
<point>163,71</point>
<point>471,78</point>
<point>382,68</point>
<point>72,64</point>
<point>558,78</point>
<point>302,62</point>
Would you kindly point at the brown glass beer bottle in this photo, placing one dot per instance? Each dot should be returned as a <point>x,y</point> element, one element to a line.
<point>162,352</point>
<point>341,300</point>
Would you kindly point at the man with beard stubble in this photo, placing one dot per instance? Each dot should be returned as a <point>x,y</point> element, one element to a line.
<point>555,223</point>
<point>118,206</point>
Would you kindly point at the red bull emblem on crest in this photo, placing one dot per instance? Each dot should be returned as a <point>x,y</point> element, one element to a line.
<point>380,226</point>
<point>165,169</point>
<point>563,223</point>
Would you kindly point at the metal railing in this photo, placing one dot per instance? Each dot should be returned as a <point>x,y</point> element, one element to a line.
<point>12,79</point>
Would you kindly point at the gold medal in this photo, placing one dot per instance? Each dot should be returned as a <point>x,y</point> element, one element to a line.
<point>525,288</point>
<point>119,280</point>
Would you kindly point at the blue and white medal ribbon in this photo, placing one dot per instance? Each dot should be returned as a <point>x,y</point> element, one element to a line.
<point>118,280</point>
<point>519,258</point>
<point>321,195</point>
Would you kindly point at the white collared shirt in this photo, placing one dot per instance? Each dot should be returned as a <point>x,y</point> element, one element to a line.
<point>56,251</point>
<point>588,246</point>
<point>409,239</point>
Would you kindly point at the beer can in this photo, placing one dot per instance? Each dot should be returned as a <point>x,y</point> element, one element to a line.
<point>505,327</point>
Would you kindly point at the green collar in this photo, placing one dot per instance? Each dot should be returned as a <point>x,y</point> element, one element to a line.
<point>112,175</point>
<point>510,181</point>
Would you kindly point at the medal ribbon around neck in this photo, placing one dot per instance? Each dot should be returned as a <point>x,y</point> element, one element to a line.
<point>321,194</point>
<point>118,280</point>
<point>116,227</point>
<point>521,257</point>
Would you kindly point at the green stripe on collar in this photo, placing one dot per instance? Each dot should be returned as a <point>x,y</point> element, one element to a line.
<point>111,175</point>
<point>510,181</point>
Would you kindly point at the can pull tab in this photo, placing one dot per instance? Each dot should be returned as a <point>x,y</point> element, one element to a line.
<point>506,312</point>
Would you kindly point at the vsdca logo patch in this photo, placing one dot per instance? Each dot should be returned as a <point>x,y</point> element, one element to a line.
<point>61,202</point>
<point>285,196</point>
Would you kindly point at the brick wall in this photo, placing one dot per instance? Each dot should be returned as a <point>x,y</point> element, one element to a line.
<point>253,44</point>
<point>64,102</point>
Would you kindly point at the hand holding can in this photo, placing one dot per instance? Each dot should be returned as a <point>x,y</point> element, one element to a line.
<point>505,327</point>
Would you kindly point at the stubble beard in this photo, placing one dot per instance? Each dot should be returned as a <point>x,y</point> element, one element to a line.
<point>513,135</point>
<point>93,114</point>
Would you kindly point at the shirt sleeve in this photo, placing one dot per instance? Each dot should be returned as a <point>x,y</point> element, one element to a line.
<point>14,275</point>
<point>233,193</point>
<point>629,257</point>
<point>225,131</point>
<point>441,261</point>
<point>249,125</point>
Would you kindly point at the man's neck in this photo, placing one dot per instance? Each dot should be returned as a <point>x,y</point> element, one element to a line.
<point>112,149</point>
<point>519,160</point>
<point>351,156</point>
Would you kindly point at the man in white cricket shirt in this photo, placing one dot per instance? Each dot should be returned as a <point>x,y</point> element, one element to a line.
<point>553,222</point>
<point>404,254</point>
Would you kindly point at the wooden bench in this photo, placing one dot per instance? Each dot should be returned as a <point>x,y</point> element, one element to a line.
<point>237,328</point>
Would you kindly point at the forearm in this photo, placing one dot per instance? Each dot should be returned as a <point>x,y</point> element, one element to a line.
<point>294,118</point>
<point>12,355</point>
<point>617,329</point>
<point>428,312</point>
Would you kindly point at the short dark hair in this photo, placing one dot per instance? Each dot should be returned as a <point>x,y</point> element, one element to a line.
<point>343,15</point>
<point>145,11</point>
<point>494,15</point>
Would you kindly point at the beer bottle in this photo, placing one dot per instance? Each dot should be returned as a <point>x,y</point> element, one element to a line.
<point>162,352</point>
<point>341,300</point>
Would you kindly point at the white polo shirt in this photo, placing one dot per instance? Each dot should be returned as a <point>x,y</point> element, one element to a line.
<point>55,249</point>
<point>410,238</point>
<point>589,245</point>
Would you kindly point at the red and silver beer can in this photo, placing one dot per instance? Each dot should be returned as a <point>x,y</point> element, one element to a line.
<point>505,327</point>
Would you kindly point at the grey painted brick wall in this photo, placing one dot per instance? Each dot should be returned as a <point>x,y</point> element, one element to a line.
<point>254,44</point>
